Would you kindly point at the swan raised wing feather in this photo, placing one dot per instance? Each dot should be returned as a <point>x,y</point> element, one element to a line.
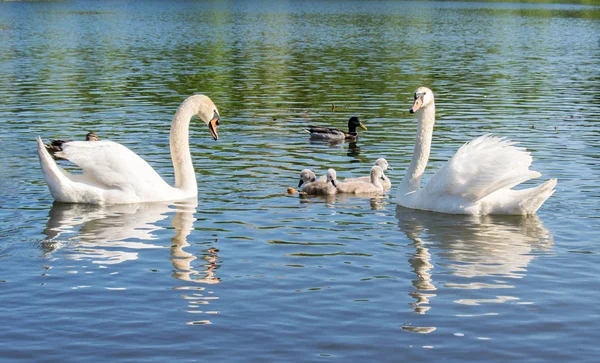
<point>113,165</point>
<point>482,166</point>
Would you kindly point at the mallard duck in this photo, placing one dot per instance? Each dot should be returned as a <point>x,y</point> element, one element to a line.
<point>56,145</point>
<point>329,133</point>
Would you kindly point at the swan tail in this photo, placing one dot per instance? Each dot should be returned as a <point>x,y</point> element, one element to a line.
<point>508,182</point>
<point>518,202</point>
<point>533,198</point>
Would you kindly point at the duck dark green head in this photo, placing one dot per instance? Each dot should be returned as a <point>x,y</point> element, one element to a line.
<point>353,123</point>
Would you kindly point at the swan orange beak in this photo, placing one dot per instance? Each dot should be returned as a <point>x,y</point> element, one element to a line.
<point>212,126</point>
<point>418,103</point>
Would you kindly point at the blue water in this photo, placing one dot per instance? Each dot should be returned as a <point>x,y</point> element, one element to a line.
<point>253,273</point>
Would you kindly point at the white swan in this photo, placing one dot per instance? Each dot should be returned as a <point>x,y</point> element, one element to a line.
<point>479,178</point>
<point>113,174</point>
<point>374,186</point>
<point>385,181</point>
<point>318,187</point>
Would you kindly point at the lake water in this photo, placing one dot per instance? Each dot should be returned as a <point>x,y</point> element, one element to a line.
<point>255,274</point>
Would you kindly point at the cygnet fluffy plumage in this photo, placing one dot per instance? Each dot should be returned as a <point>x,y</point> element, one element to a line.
<point>385,181</point>
<point>320,187</point>
<point>360,187</point>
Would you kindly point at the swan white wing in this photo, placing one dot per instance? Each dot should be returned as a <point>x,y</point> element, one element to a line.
<point>112,165</point>
<point>481,167</point>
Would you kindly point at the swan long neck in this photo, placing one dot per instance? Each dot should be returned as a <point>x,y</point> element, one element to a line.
<point>185,177</point>
<point>414,173</point>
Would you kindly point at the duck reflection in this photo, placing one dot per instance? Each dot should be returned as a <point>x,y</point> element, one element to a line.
<point>471,248</point>
<point>353,150</point>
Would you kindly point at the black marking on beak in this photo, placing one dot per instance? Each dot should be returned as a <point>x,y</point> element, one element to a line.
<point>418,102</point>
<point>212,125</point>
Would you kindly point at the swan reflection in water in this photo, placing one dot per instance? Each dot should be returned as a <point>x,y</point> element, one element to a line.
<point>116,233</point>
<point>469,247</point>
<point>109,235</point>
<point>102,234</point>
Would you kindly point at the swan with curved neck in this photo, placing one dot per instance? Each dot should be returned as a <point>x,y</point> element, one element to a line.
<point>477,180</point>
<point>113,174</point>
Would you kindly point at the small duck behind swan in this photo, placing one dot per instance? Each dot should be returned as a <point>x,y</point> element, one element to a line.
<point>56,145</point>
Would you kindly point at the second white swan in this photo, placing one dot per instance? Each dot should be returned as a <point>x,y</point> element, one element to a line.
<point>113,174</point>
<point>477,180</point>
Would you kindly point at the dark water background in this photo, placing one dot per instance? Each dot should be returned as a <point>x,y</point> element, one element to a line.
<point>254,274</point>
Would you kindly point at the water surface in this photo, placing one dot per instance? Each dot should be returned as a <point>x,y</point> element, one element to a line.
<point>252,273</point>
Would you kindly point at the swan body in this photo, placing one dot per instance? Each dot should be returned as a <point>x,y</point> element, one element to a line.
<point>329,133</point>
<point>318,187</point>
<point>113,174</point>
<point>477,180</point>
<point>374,186</point>
<point>385,181</point>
